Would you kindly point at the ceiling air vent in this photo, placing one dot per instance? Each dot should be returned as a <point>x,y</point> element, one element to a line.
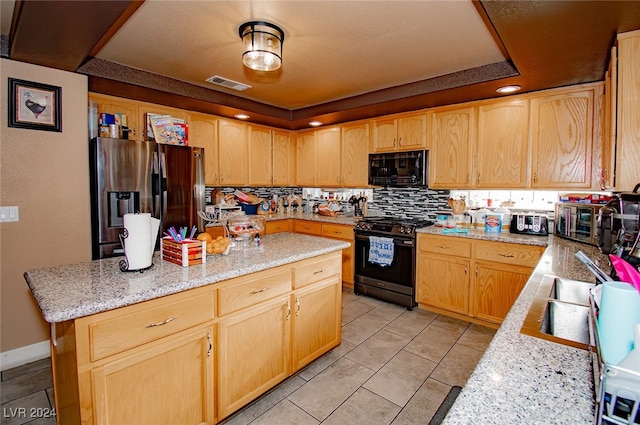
<point>230,84</point>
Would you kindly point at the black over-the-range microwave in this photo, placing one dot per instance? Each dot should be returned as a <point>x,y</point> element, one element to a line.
<point>399,169</point>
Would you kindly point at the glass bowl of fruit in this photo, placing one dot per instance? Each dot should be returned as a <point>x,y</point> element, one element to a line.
<point>244,228</point>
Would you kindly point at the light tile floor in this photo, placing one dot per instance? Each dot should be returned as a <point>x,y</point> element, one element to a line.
<point>394,366</point>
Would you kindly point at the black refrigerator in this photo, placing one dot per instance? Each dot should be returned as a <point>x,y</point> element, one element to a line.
<point>129,176</point>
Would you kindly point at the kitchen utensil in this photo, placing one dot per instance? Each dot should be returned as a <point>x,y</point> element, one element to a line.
<point>600,274</point>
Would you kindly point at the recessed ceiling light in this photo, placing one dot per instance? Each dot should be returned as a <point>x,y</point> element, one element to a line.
<point>242,116</point>
<point>315,123</point>
<point>508,89</point>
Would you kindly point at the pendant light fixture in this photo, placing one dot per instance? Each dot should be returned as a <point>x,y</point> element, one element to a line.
<point>262,45</point>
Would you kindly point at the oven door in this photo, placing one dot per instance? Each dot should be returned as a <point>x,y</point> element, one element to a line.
<point>401,271</point>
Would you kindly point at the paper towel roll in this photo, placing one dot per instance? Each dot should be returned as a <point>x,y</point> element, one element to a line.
<point>137,246</point>
<point>619,312</point>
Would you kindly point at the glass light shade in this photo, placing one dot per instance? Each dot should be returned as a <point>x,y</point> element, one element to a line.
<point>262,45</point>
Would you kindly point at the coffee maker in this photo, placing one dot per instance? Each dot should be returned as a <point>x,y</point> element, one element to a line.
<point>619,225</point>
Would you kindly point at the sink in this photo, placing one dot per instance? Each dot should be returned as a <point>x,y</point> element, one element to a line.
<point>572,291</point>
<point>560,312</point>
<point>566,321</point>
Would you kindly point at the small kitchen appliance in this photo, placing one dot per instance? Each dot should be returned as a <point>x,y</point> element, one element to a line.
<point>529,223</point>
<point>577,221</point>
<point>618,225</point>
<point>393,279</point>
<point>398,169</point>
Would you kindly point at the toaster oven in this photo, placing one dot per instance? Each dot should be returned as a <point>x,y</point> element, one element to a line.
<point>577,222</point>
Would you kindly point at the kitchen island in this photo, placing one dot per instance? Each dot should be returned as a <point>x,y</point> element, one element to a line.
<point>188,345</point>
<point>523,379</point>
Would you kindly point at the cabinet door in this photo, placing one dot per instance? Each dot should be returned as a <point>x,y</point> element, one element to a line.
<point>443,282</point>
<point>502,148</point>
<point>232,150</point>
<point>385,134</point>
<point>344,233</point>
<point>328,157</point>
<point>495,288</point>
<point>354,170</point>
<point>260,154</point>
<point>607,180</point>
<point>202,134</point>
<point>113,105</point>
<point>253,353</point>
<point>450,154</point>
<point>306,159</point>
<point>562,138</point>
<point>169,381</point>
<point>284,158</point>
<point>316,321</point>
<point>151,108</point>
<point>277,226</point>
<point>628,125</point>
<point>412,132</point>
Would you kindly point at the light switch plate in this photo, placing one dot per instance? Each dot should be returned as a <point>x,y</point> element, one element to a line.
<point>9,214</point>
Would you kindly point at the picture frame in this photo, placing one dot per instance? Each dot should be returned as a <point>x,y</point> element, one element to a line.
<point>34,106</point>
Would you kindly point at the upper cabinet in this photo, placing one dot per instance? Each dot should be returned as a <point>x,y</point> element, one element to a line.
<point>318,157</point>
<point>114,105</point>
<point>260,148</point>
<point>203,132</point>
<point>284,158</point>
<point>502,144</point>
<point>401,132</point>
<point>626,149</point>
<point>306,158</point>
<point>355,155</point>
<point>452,136</point>
<point>562,128</point>
<point>151,108</point>
<point>232,152</point>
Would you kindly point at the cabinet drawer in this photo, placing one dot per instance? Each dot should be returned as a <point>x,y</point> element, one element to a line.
<point>245,292</point>
<point>312,271</point>
<point>337,231</point>
<point>308,227</point>
<point>141,323</point>
<point>448,245</point>
<point>277,226</point>
<point>508,253</point>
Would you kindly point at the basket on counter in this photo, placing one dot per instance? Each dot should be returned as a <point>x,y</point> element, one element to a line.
<point>185,253</point>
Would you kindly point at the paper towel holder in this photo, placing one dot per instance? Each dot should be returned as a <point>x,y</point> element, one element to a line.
<point>124,264</point>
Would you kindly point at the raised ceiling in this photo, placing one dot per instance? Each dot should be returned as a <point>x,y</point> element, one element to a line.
<point>342,60</point>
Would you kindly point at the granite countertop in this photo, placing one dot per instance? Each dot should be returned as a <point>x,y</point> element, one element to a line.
<point>71,291</point>
<point>473,233</point>
<point>526,380</point>
<point>347,219</point>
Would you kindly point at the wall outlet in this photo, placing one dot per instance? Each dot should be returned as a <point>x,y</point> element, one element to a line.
<point>9,214</point>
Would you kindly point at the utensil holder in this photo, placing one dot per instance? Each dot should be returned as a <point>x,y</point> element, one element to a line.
<point>185,253</point>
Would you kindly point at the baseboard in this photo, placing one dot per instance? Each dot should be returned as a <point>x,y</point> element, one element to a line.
<point>23,355</point>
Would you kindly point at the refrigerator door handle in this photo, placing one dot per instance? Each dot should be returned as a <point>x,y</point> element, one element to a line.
<point>155,186</point>
<point>199,186</point>
<point>163,182</point>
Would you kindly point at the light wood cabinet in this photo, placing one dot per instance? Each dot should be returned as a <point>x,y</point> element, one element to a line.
<point>328,161</point>
<point>471,278</point>
<point>502,146</point>
<point>151,108</point>
<point>173,381</point>
<point>608,166</point>
<point>452,139</point>
<point>260,152</point>
<point>344,233</point>
<point>562,126</point>
<point>306,158</point>
<point>277,226</point>
<point>232,153</point>
<point>354,169</point>
<point>113,105</point>
<point>308,227</point>
<point>402,132</point>
<point>253,353</point>
<point>284,158</point>
<point>203,133</point>
<point>627,81</point>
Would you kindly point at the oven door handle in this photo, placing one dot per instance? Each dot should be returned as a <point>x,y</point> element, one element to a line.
<point>396,241</point>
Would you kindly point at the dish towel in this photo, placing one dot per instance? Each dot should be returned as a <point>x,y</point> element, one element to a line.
<point>380,250</point>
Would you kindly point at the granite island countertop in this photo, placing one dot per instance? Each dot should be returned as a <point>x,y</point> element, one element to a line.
<point>75,290</point>
<point>521,379</point>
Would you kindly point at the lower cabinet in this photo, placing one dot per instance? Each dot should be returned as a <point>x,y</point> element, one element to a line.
<point>172,378</point>
<point>472,278</point>
<point>197,356</point>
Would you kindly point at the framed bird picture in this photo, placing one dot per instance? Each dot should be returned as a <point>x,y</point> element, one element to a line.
<point>34,106</point>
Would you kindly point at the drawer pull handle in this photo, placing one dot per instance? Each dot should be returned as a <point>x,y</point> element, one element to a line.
<point>257,291</point>
<point>507,255</point>
<point>288,311</point>
<point>443,247</point>
<point>210,344</point>
<point>318,271</point>
<point>297,305</point>
<point>152,325</point>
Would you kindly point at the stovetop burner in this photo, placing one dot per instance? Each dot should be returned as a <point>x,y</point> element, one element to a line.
<point>391,225</point>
